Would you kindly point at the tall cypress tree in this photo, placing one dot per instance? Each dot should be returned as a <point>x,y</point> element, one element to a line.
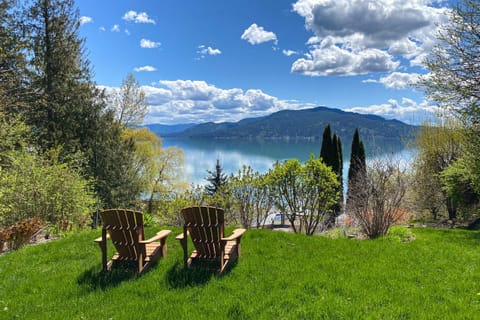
<point>332,156</point>
<point>326,150</point>
<point>358,168</point>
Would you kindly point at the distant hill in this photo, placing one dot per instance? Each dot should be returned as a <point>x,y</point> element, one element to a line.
<point>306,124</point>
<point>163,130</point>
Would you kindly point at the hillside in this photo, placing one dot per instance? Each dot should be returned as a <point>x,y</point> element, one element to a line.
<point>305,124</point>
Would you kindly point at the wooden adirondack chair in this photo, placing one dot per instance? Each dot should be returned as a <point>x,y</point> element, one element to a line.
<point>205,225</point>
<point>125,228</point>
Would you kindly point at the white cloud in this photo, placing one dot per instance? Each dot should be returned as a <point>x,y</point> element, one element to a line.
<point>127,32</point>
<point>204,51</point>
<point>403,28</point>
<point>85,19</point>
<point>115,28</point>
<point>397,80</point>
<point>145,68</point>
<point>138,17</point>
<point>333,60</point>
<point>181,101</point>
<point>289,53</point>
<point>407,110</point>
<point>102,29</point>
<point>149,44</point>
<point>256,35</point>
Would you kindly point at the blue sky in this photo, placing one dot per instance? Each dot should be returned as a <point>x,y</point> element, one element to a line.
<point>225,60</point>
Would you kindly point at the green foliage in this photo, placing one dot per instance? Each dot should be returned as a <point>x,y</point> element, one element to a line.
<point>216,179</point>
<point>34,186</point>
<point>400,233</point>
<point>305,192</point>
<point>251,196</point>
<point>357,168</point>
<point>458,186</point>
<point>278,276</point>
<point>438,146</point>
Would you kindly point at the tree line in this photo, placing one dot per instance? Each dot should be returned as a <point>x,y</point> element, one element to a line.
<point>67,147</point>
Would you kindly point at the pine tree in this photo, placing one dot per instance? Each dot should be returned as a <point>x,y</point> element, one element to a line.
<point>357,169</point>
<point>13,63</point>
<point>216,179</point>
<point>69,111</point>
<point>67,102</point>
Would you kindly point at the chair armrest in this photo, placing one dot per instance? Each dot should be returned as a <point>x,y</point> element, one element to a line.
<point>160,235</point>
<point>180,236</point>
<point>99,239</point>
<point>236,234</point>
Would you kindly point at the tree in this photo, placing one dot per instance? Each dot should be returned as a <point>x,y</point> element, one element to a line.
<point>454,78</point>
<point>331,154</point>
<point>305,192</point>
<point>357,169</point>
<point>326,150</point>
<point>438,147</point>
<point>376,198</point>
<point>13,63</point>
<point>216,180</point>
<point>130,103</point>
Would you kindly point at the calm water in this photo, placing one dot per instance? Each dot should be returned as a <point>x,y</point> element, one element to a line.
<point>201,154</point>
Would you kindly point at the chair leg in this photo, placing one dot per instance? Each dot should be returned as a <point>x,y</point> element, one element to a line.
<point>103,246</point>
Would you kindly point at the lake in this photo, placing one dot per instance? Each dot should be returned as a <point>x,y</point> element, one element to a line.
<point>202,154</point>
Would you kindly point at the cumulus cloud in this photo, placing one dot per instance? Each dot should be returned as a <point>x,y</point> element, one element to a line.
<point>137,17</point>
<point>350,28</point>
<point>334,60</point>
<point>115,28</point>
<point>203,51</point>
<point>145,68</point>
<point>407,110</point>
<point>397,80</point>
<point>256,35</point>
<point>85,19</point>
<point>181,101</point>
<point>149,44</point>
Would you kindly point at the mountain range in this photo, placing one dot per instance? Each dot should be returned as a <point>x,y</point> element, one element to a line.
<point>298,124</point>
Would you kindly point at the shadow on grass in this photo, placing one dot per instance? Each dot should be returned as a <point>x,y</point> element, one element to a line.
<point>93,279</point>
<point>198,274</point>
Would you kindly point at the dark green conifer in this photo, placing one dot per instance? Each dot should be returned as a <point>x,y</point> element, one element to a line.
<point>357,169</point>
<point>216,179</point>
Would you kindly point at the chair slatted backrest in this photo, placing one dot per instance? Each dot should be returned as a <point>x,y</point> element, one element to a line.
<point>206,227</point>
<point>125,228</point>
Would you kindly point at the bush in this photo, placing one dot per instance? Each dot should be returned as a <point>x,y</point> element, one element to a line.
<point>34,186</point>
<point>20,233</point>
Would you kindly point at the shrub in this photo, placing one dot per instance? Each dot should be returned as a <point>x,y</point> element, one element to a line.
<point>20,233</point>
<point>377,197</point>
<point>34,186</point>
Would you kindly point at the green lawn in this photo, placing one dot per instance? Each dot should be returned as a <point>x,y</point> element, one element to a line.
<point>279,276</point>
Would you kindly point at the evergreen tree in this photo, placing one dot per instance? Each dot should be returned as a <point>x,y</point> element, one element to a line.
<point>216,179</point>
<point>66,96</point>
<point>357,169</point>
<point>331,154</point>
<point>326,150</point>
<point>13,64</point>
<point>68,110</point>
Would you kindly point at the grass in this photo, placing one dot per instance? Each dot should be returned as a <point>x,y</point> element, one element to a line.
<point>279,276</point>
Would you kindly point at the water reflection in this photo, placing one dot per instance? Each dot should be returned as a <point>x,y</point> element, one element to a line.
<point>201,154</point>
